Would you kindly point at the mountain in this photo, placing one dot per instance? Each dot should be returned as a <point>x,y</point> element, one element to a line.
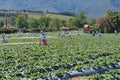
<point>92,8</point>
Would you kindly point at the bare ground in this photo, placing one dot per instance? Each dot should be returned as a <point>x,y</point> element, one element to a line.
<point>78,78</point>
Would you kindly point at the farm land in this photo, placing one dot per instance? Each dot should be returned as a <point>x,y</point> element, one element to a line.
<point>87,56</point>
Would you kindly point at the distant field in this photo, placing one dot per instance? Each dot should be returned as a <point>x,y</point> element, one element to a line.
<point>60,16</point>
<point>34,15</point>
<point>54,16</point>
<point>37,15</point>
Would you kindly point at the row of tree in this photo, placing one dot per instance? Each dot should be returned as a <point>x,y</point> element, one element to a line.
<point>18,12</point>
<point>107,23</point>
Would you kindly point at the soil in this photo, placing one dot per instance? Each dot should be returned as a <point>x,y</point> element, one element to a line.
<point>78,78</point>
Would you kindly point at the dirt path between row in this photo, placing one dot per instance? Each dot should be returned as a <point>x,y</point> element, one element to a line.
<point>78,78</point>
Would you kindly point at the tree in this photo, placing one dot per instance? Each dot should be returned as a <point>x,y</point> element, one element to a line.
<point>11,20</point>
<point>34,23</point>
<point>1,23</point>
<point>115,19</point>
<point>110,22</point>
<point>91,21</point>
<point>56,23</point>
<point>21,21</point>
<point>45,21</point>
<point>79,20</point>
<point>105,24</point>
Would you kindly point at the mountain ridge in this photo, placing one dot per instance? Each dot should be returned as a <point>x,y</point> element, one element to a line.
<point>92,8</point>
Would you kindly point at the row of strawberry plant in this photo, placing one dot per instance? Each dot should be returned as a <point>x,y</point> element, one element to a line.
<point>61,56</point>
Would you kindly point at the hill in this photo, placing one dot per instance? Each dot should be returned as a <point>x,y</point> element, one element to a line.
<point>93,8</point>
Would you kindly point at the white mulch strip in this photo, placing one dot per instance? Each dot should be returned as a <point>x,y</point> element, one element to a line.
<point>19,43</point>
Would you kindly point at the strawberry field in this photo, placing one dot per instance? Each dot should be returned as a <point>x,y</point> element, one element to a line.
<point>84,55</point>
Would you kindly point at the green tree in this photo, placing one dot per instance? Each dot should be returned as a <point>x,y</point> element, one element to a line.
<point>1,23</point>
<point>12,20</point>
<point>115,19</point>
<point>56,23</point>
<point>105,24</point>
<point>45,21</point>
<point>21,21</point>
<point>79,20</point>
<point>91,21</point>
<point>110,21</point>
<point>64,22</point>
<point>34,23</point>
